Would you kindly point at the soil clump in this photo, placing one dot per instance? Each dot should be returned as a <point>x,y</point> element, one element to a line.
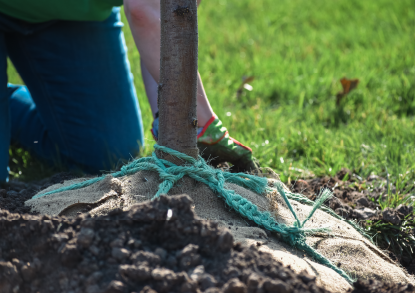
<point>158,246</point>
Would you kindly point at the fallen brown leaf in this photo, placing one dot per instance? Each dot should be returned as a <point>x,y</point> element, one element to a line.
<point>348,85</point>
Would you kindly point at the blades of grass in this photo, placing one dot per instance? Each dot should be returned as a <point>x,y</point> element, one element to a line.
<point>386,238</point>
<point>408,250</point>
<point>346,177</point>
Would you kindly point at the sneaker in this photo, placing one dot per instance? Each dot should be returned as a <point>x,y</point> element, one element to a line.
<point>216,146</point>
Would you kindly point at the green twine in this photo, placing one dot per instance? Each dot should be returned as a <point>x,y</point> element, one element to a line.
<point>304,200</point>
<point>215,178</point>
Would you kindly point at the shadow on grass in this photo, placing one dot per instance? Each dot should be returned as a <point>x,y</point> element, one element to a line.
<point>25,167</point>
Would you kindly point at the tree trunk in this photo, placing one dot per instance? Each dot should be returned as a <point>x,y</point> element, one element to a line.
<point>178,76</point>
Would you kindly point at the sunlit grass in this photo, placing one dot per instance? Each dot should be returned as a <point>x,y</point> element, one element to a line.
<point>297,50</point>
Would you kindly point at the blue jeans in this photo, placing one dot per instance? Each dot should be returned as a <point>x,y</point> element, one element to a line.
<point>80,106</point>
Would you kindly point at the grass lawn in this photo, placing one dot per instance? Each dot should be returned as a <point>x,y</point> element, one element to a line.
<point>297,50</point>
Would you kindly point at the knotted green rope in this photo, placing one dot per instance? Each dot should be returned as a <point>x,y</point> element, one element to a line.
<point>304,200</point>
<point>199,170</point>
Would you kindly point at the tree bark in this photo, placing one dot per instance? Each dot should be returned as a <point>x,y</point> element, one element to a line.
<point>178,76</point>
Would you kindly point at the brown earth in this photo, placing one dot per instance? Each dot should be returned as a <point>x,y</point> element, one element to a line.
<point>135,251</point>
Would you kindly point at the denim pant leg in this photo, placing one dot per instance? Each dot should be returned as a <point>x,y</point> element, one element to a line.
<point>4,113</point>
<point>82,107</point>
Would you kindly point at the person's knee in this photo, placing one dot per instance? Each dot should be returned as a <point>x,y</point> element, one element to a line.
<point>105,155</point>
<point>122,153</point>
<point>142,13</point>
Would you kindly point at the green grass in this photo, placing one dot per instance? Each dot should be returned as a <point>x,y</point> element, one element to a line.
<point>397,238</point>
<point>297,50</point>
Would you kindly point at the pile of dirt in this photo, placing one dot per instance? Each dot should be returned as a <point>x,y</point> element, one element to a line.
<point>158,245</point>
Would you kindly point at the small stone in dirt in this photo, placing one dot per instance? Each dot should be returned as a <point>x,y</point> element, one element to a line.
<point>144,256</point>
<point>85,237</point>
<point>17,263</point>
<point>405,210</point>
<point>92,289</point>
<point>275,286</point>
<point>148,289</point>
<point>225,241</point>
<point>213,290</point>
<point>235,286</point>
<point>390,215</point>
<point>188,287</point>
<point>171,261</point>
<point>188,250</point>
<point>116,287</point>
<point>342,212</point>
<point>94,250</point>
<point>373,177</point>
<point>12,193</point>
<point>207,281</point>
<point>135,273</point>
<point>335,203</point>
<point>70,255</point>
<point>161,252</point>
<point>253,282</point>
<point>134,243</point>
<point>117,243</point>
<point>190,260</point>
<point>28,272</point>
<point>364,214</point>
<point>363,201</point>
<point>197,273</point>
<point>369,212</point>
<point>353,196</point>
<point>339,193</point>
<point>162,274</point>
<point>120,253</point>
<point>94,278</point>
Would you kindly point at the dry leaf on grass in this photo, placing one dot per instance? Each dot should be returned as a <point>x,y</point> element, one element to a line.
<point>348,85</point>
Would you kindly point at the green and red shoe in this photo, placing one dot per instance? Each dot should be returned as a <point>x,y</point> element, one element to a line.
<point>216,146</point>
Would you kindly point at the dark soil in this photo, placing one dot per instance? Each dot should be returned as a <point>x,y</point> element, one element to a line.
<point>135,251</point>
<point>380,287</point>
<point>15,193</point>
